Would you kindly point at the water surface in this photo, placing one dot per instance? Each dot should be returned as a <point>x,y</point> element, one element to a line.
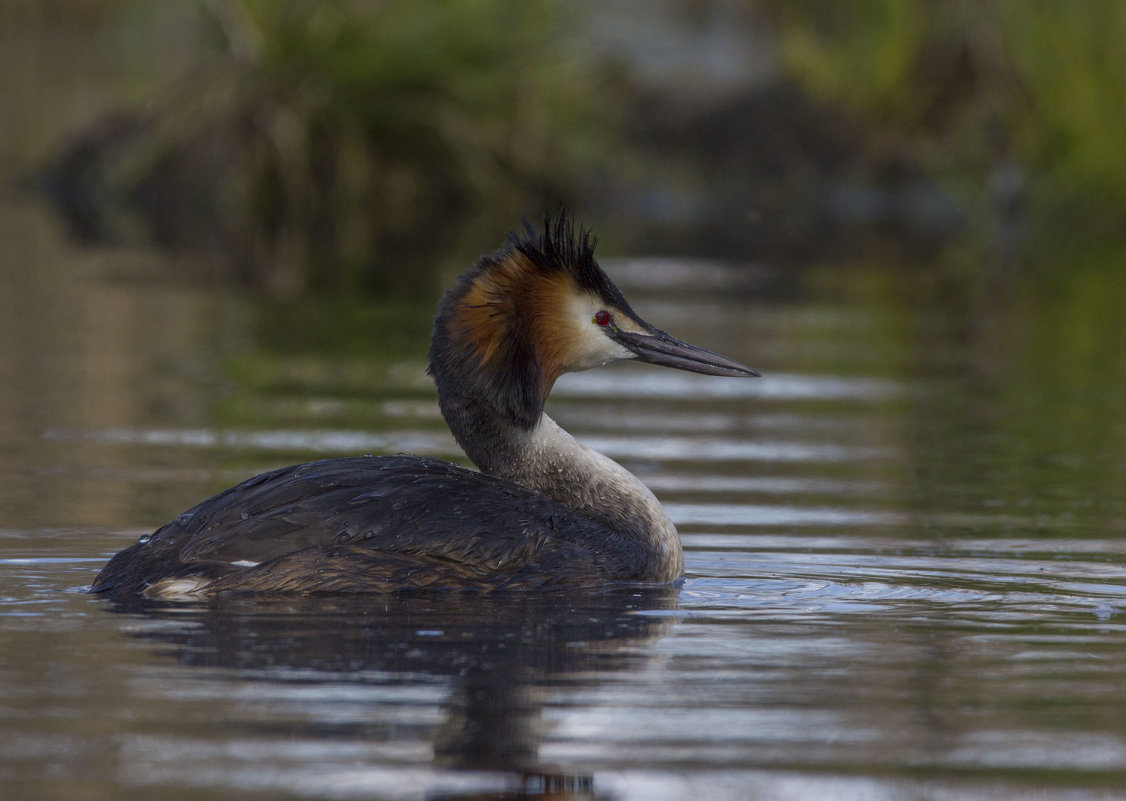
<point>904,550</point>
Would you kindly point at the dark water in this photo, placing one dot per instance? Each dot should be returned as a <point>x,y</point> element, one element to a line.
<point>904,547</point>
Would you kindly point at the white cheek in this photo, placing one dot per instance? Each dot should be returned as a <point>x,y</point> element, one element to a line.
<point>594,348</point>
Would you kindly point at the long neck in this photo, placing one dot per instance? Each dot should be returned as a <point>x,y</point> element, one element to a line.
<point>548,459</point>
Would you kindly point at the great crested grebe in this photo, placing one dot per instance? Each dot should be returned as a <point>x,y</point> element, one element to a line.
<point>545,511</point>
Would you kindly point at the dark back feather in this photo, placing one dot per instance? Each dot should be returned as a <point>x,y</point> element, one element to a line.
<point>374,524</point>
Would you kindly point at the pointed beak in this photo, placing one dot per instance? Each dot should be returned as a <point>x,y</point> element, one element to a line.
<point>668,351</point>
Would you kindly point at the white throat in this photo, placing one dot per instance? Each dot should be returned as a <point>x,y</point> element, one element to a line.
<point>552,461</point>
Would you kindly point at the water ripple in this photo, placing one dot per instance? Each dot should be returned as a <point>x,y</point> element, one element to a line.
<point>328,440</point>
<point>681,386</point>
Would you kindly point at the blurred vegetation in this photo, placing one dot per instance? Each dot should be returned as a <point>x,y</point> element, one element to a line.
<point>315,137</point>
<point>336,146</point>
<point>1029,94</point>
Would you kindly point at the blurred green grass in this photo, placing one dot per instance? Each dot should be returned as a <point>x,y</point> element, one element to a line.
<point>975,86</point>
<point>338,147</point>
<point>312,139</point>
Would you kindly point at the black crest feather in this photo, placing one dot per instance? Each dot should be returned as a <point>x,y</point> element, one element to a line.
<point>563,247</point>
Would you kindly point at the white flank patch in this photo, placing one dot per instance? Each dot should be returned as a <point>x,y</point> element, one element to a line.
<point>178,589</point>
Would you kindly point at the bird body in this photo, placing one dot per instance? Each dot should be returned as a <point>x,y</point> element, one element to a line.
<point>545,511</point>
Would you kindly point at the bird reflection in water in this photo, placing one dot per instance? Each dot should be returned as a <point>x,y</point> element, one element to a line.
<point>501,657</point>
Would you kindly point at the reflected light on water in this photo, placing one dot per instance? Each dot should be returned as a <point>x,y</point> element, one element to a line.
<point>905,567</point>
<point>637,383</point>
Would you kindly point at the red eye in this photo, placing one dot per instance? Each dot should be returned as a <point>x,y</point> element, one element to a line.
<point>602,318</point>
